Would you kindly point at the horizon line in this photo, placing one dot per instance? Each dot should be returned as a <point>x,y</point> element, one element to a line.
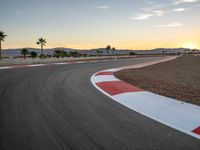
<point>101,48</point>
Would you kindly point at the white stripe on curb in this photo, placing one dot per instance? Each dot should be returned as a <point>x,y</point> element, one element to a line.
<point>64,63</point>
<point>179,115</point>
<point>36,65</point>
<point>5,67</point>
<point>98,79</point>
<point>176,114</point>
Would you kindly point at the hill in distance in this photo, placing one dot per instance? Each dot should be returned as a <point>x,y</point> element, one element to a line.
<point>16,52</point>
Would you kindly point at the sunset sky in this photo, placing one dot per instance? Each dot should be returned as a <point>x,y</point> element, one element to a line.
<point>86,24</point>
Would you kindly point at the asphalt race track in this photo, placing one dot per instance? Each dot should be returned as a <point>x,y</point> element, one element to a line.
<point>57,108</point>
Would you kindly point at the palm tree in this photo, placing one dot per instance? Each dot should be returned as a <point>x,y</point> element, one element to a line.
<point>33,55</point>
<point>24,52</point>
<point>42,42</point>
<point>113,50</point>
<point>2,37</point>
<point>108,48</point>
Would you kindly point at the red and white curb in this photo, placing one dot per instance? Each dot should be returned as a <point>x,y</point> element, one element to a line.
<point>32,65</point>
<point>179,115</point>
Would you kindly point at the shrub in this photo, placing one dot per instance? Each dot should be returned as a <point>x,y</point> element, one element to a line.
<point>132,53</point>
<point>42,56</point>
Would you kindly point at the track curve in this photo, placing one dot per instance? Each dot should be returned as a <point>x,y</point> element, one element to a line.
<point>56,107</point>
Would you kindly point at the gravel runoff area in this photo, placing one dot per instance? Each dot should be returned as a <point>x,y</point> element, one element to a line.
<point>179,79</point>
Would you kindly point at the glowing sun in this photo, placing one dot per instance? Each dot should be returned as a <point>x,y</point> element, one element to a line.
<point>190,45</point>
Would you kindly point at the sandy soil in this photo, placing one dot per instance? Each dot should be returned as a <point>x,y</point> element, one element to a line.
<point>179,79</point>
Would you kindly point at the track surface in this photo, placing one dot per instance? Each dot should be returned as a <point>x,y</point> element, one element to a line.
<point>56,107</point>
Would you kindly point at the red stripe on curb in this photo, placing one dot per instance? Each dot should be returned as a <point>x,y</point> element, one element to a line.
<point>104,73</point>
<point>117,87</point>
<point>18,66</point>
<point>196,131</point>
<point>50,64</point>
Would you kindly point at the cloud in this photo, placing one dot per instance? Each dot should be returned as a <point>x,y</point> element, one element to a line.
<point>180,9</point>
<point>103,7</point>
<point>171,25</point>
<point>153,7</point>
<point>144,16</point>
<point>184,1</point>
<point>150,2</point>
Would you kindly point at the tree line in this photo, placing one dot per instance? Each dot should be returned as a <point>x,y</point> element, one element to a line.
<point>42,42</point>
<point>58,53</point>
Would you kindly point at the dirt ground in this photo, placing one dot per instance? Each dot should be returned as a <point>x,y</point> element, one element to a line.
<point>179,79</point>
